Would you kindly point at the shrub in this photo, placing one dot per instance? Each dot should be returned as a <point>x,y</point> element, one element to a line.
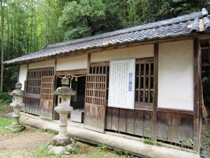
<point>5,98</point>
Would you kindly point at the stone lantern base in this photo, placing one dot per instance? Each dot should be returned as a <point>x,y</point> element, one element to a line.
<point>16,128</point>
<point>61,146</point>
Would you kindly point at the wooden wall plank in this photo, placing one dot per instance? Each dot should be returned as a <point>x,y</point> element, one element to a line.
<point>122,120</point>
<point>139,123</point>
<point>130,122</point>
<point>148,124</point>
<point>109,119</point>
<point>115,119</point>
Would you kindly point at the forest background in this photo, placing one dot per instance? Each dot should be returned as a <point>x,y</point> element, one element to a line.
<point>28,25</point>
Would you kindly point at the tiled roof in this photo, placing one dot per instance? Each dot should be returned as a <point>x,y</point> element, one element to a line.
<point>186,25</point>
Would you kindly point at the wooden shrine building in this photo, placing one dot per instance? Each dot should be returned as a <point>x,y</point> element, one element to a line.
<point>143,81</point>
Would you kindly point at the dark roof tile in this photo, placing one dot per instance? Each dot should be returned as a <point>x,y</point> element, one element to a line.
<point>175,27</point>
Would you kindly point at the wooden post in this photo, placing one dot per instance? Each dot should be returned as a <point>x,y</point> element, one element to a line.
<point>197,75</point>
<point>209,58</point>
<point>55,115</point>
<point>156,50</point>
<point>88,63</point>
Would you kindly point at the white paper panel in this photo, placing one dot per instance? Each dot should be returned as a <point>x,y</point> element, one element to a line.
<point>22,75</point>
<point>175,76</point>
<point>122,84</point>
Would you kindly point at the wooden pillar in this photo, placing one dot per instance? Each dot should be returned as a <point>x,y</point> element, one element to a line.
<point>88,63</point>
<point>18,74</point>
<point>55,115</point>
<point>197,77</point>
<point>209,58</point>
<point>156,50</point>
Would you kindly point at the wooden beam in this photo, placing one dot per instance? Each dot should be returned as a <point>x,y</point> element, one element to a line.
<point>175,111</point>
<point>197,75</point>
<point>74,72</point>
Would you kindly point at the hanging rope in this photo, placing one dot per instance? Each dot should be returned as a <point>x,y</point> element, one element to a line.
<point>71,77</point>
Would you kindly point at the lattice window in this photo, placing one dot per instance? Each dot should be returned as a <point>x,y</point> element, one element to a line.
<point>47,87</point>
<point>144,81</point>
<point>96,89</point>
<point>33,82</point>
<point>101,68</point>
<point>33,89</point>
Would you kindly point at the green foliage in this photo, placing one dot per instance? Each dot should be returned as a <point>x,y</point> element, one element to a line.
<point>52,132</point>
<point>5,98</point>
<point>172,8</point>
<point>149,141</point>
<point>75,150</point>
<point>83,18</point>
<point>103,147</point>
<point>190,140</point>
<point>41,130</point>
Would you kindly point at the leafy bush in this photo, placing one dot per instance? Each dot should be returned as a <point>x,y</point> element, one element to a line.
<point>5,98</point>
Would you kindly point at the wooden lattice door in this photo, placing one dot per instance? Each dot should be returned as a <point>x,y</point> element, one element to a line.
<point>46,102</point>
<point>95,102</point>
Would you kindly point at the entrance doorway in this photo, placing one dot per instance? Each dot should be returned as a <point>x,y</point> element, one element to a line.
<point>78,100</point>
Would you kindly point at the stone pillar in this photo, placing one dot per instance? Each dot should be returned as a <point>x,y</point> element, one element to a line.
<point>62,143</point>
<point>17,104</point>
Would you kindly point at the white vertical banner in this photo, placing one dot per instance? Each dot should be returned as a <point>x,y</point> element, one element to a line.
<point>122,84</point>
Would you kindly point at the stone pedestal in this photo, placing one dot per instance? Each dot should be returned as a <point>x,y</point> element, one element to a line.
<point>62,143</point>
<point>16,104</point>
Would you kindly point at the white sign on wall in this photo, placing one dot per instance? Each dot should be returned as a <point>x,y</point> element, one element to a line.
<point>122,84</point>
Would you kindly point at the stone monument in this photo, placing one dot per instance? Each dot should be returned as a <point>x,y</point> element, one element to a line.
<point>17,104</point>
<point>62,143</point>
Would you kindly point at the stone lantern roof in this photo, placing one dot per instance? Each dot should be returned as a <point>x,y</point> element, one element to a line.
<point>64,90</point>
<point>17,91</point>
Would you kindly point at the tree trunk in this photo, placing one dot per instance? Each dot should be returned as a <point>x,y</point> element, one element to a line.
<point>2,45</point>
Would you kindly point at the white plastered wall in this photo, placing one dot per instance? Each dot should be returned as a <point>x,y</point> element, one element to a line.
<point>73,63</point>
<point>124,53</point>
<point>22,75</point>
<point>43,64</point>
<point>175,75</point>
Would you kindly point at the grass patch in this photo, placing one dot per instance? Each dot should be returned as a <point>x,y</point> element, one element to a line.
<point>52,132</point>
<point>43,152</point>
<point>3,123</point>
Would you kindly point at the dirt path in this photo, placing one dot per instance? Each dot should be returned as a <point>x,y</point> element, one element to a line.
<point>24,144</point>
<point>31,143</point>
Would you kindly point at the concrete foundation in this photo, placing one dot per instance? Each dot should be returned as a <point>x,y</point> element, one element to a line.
<point>127,143</point>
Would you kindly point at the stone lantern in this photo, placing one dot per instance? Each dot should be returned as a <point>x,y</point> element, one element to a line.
<point>17,104</point>
<point>62,143</point>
